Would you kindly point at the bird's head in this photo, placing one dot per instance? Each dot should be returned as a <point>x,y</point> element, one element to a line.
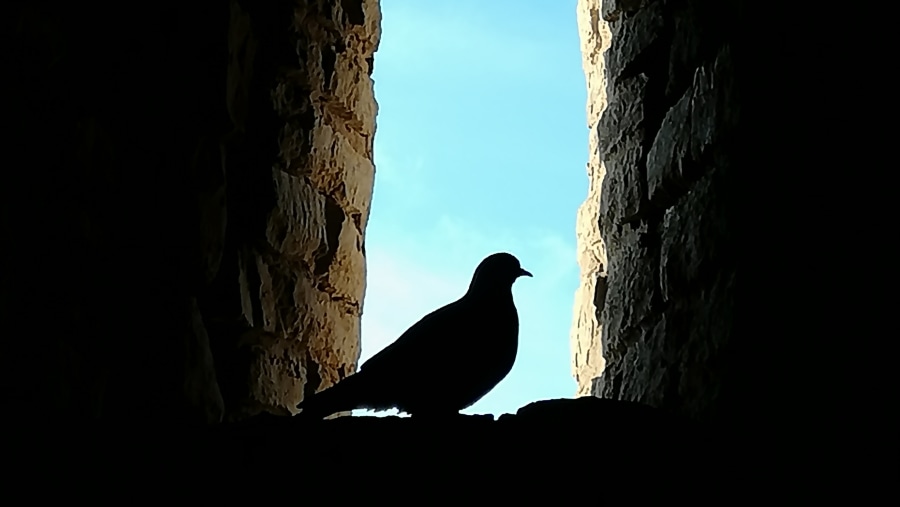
<point>497,271</point>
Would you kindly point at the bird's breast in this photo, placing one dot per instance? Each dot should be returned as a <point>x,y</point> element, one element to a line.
<point>492,338</point>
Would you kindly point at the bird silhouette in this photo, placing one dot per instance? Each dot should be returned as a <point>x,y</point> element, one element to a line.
<point>445,362</point>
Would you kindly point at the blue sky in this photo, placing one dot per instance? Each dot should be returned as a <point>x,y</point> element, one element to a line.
<point>481,147</point>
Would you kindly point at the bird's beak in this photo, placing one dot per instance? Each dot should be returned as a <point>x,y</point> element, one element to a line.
<point>522,272</point>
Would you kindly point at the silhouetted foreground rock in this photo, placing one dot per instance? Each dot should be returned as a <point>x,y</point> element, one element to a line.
<point>588,447</point>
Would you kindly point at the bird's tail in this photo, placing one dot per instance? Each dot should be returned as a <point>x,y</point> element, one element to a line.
<point>341,397</point>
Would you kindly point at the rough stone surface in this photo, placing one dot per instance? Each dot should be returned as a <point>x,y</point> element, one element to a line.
<point>308,271</point>
<point>633,35</point>
<point>190,207</point>
<point>621,131</point>
<point>665,217</point>
<point>587,360</point>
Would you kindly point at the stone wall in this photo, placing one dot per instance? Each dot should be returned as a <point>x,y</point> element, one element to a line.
<point>300,268</point>
<point>587,357</point>
<point>661,157</point>
<point>184,201</point>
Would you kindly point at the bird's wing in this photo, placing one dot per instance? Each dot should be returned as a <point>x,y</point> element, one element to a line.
<point>422,343</point>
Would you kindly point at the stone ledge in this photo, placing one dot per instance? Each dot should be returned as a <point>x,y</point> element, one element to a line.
<point>587,447</point>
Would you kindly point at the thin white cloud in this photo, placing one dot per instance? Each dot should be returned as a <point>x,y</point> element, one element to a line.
<point>399,291</point>
<point>546,253</point>
<point>400,177</point>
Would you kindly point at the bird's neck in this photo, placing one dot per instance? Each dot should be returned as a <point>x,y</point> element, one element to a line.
<point>490,292</point>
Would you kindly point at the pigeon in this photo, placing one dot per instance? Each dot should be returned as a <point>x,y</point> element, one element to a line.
<point>445,362</point>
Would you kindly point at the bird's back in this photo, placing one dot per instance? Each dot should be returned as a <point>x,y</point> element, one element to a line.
<point>449,359</point>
